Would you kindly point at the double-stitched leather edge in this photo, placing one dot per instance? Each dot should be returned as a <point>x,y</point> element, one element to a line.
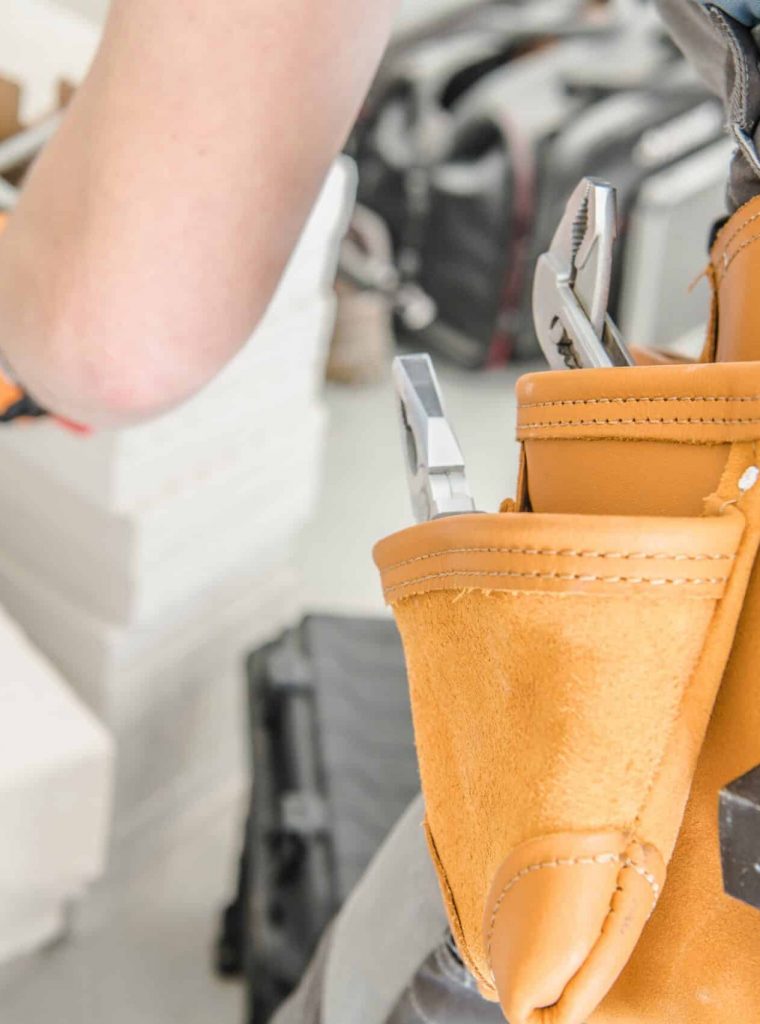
<point>736,236</point>
<point>733,273</point>
<point>700,403</point>
<point>611,862</point>
<point>562,553</point>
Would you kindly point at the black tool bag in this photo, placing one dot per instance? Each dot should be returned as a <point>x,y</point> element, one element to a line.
<point>334,767</point>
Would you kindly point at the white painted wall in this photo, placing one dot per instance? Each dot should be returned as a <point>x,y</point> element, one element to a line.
<point>94,9</point>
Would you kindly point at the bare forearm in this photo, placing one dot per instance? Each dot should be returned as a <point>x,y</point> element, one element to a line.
<point>153,230</point>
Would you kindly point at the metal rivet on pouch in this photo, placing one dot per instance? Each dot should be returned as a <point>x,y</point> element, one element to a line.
<point>748,479</point>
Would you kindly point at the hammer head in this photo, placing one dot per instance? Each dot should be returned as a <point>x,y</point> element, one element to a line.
<point>740,838</point>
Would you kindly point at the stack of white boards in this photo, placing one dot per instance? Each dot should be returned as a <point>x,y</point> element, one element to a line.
<point>56,775</point>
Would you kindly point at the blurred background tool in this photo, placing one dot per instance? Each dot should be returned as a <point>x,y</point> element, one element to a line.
<point>477,132</point>
<point>363,341</point>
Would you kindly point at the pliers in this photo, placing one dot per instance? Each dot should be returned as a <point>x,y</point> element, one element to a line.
<point>571,286</point>
<point>436,473</point>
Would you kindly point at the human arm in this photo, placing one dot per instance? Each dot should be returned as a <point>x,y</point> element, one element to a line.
<point>154,228</point>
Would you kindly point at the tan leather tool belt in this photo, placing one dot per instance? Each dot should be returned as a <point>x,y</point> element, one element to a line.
<point>583,672</point>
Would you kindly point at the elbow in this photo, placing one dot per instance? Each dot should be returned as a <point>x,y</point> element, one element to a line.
<point>122,380</point>
<point>117,369</point>
<point>113,393</point>
<point>108,321</point>
<point>114,382</point>
<point>112,342</point>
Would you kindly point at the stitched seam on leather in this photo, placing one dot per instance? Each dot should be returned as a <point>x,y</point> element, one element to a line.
<point>724,245</point>
<point>719,240</point>
<point>648,876</point>
<point>450,902</point>
<point>657,772</point>
<point>739,63</point>
<point>707,354</point>
<point>627,862</point>
<point>659,556</point>
<point>578,577</point>
<point>623,860</point>
<point>728,260</point>
<point>633,399</point>
<point>685,420</point>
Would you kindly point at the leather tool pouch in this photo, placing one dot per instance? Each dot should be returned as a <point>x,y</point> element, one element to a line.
<point>564,658</point>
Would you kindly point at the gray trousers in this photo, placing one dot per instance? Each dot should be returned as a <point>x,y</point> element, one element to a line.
<point>388,958</point>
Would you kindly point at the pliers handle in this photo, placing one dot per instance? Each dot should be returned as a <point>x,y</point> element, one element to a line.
<point>435,465</point>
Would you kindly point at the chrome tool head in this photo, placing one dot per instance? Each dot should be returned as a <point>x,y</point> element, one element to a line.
<point>572,284</point>
<point>435,464</point>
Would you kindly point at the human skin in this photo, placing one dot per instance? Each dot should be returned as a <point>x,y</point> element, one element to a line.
<point>154,228</point>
